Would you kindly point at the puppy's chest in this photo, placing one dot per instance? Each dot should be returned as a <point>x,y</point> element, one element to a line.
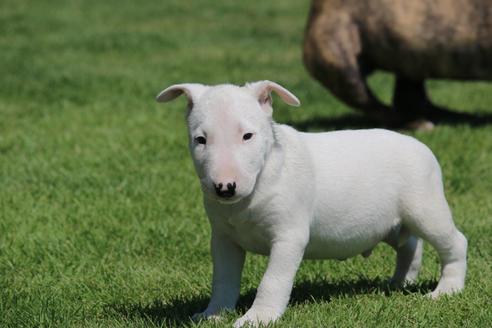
<point>248,230</point>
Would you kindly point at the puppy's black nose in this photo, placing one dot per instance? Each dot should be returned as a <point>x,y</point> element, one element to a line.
<point>226,191</point>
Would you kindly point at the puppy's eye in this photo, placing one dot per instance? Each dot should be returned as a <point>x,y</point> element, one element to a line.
<point>247,136</point>
<point>201,140</point>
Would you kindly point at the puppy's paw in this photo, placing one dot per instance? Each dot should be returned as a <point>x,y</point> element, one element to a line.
<point>435,294</point>
<point>447,287</point>
<point>438,293</point>
<point>255,318</point>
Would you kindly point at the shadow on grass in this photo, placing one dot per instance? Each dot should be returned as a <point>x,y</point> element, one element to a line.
<point>177,312</point>
<point>359,121</point>
<point>326,291</point>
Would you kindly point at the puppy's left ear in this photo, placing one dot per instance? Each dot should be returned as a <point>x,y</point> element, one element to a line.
<point>263,89</point>
<point>192,91</point>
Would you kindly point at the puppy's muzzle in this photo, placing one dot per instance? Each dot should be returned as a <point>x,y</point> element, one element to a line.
<point>225,190</point>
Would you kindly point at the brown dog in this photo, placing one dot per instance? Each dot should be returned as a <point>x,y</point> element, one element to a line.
<point>346,40</point>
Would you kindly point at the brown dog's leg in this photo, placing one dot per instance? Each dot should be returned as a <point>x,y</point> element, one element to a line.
<point>411,101</point>
<point>332,49</point>
<point>410,98</point>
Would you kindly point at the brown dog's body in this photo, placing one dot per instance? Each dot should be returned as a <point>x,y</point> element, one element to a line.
<point>444,39</point>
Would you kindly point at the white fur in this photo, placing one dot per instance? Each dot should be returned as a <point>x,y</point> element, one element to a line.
<point>310,195</point>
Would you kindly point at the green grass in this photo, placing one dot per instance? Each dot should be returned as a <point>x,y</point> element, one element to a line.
<point>101,222</point>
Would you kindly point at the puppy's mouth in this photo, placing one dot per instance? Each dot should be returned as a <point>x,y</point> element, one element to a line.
<point>225,200</point>
<point>228,201</point>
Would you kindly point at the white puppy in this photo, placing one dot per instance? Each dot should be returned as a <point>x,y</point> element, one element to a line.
<point>272,190</point>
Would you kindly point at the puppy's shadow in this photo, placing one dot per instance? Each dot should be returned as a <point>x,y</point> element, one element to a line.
<point>328,290</point>
<point>177,312</point>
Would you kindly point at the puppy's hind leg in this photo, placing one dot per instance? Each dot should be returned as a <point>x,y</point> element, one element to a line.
<point>452,253</point>
<point>430,219</point>
<point>408,261</point>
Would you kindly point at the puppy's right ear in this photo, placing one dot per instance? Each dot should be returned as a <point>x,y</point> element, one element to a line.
<point>192,91</point>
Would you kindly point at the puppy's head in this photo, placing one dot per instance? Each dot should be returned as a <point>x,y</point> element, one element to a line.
<point>230,133</point>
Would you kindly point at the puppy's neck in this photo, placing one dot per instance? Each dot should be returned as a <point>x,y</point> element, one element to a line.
<point>274,161</point>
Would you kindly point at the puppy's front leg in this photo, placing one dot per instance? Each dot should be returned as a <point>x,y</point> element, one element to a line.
<point>228,260</point>
<point>274,291</point>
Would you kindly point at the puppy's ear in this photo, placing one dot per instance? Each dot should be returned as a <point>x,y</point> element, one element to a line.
<point>263,89</point>
<point>191,90</point>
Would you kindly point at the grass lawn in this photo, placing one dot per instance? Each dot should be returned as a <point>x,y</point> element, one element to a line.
<point>101,222</point>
